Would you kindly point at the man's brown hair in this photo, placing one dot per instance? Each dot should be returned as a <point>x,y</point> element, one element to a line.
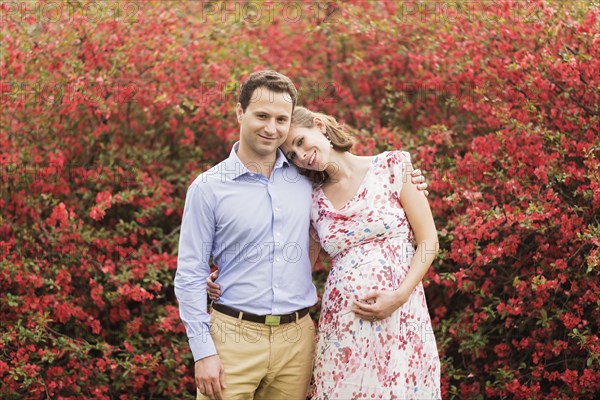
<point>272,80</point>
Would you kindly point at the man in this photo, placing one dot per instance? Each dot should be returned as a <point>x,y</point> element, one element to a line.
<point>251,214</point>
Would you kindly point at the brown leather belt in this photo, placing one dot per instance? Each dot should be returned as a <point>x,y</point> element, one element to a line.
<point>273,320</point>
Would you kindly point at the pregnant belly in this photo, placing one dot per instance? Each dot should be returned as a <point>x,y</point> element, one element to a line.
<point>360,272</point>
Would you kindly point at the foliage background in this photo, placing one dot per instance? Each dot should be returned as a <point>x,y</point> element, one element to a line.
<point>110,109</point>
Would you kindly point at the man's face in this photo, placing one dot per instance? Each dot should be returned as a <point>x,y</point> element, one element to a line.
<point>265,123</point>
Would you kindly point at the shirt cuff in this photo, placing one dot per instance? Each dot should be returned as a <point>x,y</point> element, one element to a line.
<point>202,346</point>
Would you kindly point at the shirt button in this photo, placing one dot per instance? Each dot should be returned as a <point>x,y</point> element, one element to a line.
<point>276,208</point>
<point>278,234</point>
<point>277,259</point>
<point>277,285</point>
<point>277,310</point>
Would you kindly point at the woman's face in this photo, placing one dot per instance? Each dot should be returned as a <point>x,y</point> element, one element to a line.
<point>307,148</point>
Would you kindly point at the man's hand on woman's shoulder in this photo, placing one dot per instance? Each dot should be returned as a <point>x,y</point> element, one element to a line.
<point>418,179</point>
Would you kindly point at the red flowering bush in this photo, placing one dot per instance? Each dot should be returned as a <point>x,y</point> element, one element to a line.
<point>110,109</point>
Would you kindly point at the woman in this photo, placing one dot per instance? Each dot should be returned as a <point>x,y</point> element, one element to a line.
<point>375,338</point>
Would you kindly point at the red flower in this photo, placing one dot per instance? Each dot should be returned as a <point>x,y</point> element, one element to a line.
<point>97,214</point>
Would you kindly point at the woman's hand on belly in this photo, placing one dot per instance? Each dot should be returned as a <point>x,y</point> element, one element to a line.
<point>378,304</point>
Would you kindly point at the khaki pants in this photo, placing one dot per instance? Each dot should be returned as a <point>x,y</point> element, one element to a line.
<point>264,362</point>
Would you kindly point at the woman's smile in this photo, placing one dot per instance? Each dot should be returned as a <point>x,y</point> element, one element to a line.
<point>312,158</point>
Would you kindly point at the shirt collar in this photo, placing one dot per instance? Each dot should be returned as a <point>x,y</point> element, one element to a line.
<point>236,168</point>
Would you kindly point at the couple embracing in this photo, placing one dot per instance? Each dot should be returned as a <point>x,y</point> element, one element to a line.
<point>290,187</point>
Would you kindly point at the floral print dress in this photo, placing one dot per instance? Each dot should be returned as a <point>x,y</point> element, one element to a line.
<point>370,242</point>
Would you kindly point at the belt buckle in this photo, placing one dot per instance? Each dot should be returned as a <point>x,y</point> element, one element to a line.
<point>273,320</point>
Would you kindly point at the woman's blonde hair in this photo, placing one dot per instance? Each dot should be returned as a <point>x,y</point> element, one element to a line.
<point>339,136</point>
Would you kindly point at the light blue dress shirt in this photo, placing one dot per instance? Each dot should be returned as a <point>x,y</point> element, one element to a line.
<point>256,230</point>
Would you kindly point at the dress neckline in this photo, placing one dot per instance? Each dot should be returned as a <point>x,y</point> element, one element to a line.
<point>360,187</point>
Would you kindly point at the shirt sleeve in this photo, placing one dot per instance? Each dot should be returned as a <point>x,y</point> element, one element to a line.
<point>195,246</point>
<point>399,163</point>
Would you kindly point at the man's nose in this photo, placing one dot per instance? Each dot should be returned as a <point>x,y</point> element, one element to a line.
<point>270,127</point>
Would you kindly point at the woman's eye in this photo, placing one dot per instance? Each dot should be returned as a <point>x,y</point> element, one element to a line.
<point>292,156</point>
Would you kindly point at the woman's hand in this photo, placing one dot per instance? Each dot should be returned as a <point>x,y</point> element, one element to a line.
<point>378,304</point>
<point>213,289</point>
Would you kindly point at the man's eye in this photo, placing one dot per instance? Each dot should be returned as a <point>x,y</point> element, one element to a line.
<point>300,142</point>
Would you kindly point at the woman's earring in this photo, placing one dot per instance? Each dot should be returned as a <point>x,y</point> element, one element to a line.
<point>328,138</point>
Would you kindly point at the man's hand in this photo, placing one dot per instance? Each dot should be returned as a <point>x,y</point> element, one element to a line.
<point>418,179</point>
<point>210,377</point>
<point>213,289</point>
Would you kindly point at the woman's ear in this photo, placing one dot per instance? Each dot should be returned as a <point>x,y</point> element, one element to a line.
<point>318,122</point>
